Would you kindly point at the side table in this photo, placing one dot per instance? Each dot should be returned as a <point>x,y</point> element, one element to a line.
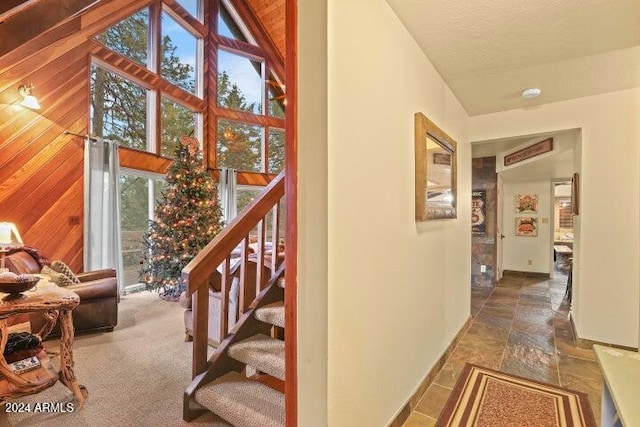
<point>621,372</point>
<point>56,303</point>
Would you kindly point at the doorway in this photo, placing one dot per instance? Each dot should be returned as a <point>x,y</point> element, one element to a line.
<point>562,229</point>
<point>522,240</point>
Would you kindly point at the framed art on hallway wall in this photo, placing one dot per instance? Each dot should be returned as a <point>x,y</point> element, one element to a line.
<point>527,226</point>
<point>526,203</point>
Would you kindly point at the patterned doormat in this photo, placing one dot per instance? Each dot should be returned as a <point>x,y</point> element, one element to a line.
<point>483,397</point>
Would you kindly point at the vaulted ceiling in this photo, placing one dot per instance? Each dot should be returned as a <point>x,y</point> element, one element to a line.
<point>489,51</point>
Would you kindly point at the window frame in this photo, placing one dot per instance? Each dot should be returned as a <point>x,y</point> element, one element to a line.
<point>151,178</point>
<point>150,76</point>
<point>252,52</point>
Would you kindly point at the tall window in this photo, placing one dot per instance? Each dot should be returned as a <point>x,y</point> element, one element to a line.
<point>140,193</point>
<point>118,108</point>
<point>148,109</point>
<point>251,142</point>
<point>130,37</point>
<point>176,120</point>
<point>179,52</point>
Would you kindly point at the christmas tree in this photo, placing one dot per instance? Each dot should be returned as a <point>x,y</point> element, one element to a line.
<point>186,219</point>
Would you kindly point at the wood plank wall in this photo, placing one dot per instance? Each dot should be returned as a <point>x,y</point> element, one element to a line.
<point>41,168</point>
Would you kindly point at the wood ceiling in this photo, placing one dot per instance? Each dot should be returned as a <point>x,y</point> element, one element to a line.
<point>271,15</point>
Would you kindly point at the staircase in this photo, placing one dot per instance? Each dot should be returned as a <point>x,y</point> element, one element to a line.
<point>225,384</point>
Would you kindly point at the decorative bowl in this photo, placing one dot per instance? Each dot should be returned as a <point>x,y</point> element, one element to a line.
<point>19,286</point>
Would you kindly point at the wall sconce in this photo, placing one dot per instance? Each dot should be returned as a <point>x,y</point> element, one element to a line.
<point>29,101</point>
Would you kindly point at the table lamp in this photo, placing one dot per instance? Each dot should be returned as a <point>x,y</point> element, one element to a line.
<point>9,236</point>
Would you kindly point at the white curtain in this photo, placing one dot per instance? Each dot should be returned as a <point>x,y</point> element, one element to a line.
<point>228,194</point>
<point>102,207</point>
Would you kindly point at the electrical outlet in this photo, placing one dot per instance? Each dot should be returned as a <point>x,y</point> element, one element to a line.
<point>529,262</point>
<point>483,268</point>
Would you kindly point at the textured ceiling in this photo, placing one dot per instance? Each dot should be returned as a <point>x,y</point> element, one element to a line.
<point>489,51</point>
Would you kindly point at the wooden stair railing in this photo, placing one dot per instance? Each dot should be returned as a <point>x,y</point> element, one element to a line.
<point>218,253</point>
<point>221,362</point>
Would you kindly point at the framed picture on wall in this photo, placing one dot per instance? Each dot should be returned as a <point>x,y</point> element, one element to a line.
<point>527,226</point>
<point>478,212</point>
<point>575,193</point>
<point>526,203</point>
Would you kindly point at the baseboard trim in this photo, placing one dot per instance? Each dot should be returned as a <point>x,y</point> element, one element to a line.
<point>527,274</point>
<point>403,414</point>
<point>588,344</point>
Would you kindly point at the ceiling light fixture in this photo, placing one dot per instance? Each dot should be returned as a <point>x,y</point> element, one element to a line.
<point>533,92</point>
<point>29,101</point>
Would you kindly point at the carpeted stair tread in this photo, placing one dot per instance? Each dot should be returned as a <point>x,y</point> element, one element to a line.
<point>243,402</point>
<point>272,314</point>
<point>264,353</point>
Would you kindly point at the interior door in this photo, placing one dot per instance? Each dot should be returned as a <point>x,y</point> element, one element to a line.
<point>499,229</point>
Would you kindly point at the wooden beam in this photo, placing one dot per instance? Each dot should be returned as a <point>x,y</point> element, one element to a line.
<point>242,116</point>
<point>142,160</point>
<point>8,8</point>
<point>142,76</point>
<point>238,46</point>
<point>32,21</point>
<point>256,179</point>
<point>185,19</point>
<point>291,217</point>
<point>211,83</point>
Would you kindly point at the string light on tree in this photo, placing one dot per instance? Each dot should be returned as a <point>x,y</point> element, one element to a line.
<point>189,205</point>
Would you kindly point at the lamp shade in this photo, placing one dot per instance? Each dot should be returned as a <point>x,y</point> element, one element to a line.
<point>9,235</point>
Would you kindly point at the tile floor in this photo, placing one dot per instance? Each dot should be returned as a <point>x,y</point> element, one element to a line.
<point>519,327</point>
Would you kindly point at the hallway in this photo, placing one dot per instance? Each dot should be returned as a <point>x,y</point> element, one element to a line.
<point>520,327</point>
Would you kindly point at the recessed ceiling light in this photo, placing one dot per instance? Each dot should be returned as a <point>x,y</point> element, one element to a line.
<point>533,92</point>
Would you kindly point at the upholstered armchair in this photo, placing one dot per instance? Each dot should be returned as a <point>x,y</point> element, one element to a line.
<point>98,292</point>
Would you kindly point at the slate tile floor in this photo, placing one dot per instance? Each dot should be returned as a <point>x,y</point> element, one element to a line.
<point>519,327</point>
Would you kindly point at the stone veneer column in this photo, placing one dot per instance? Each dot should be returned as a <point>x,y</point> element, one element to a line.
<point>483,248</point>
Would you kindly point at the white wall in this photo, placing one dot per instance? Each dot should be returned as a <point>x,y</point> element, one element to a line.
<point>398,292</point>
<point>518,250</point>
<point>312,214</point>
<point>607,256</point>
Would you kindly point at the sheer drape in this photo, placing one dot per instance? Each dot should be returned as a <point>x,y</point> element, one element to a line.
<point>102,246</point>
<point>228,194</point>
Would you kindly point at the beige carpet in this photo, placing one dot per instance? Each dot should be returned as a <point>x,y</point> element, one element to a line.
<point>483,397</point>
<point>135,375</point>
